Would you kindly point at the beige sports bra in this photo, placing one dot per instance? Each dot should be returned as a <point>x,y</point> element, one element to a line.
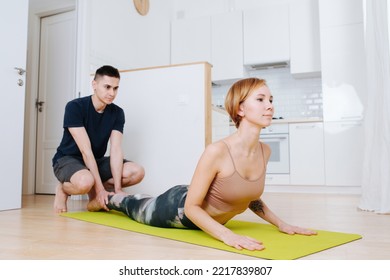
<point>234,193</point>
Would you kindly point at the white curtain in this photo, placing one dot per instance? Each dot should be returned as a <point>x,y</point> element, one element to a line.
<point>376,172</point>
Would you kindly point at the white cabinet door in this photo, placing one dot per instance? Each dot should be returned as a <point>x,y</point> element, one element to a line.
<point>343,72</point>
<point>340,12</point>
<point>307,154</point>
<point>216,39</point>
<point>191,40</point>
<point>266,34</point>
<point>343,153</point>
<point>226,46</point>
<point>305,56</point>
<point>277,179</point>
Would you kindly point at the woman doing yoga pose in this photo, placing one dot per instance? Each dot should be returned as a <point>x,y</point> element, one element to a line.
<point>229,178</point>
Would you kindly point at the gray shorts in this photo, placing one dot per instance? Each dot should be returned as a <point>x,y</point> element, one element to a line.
<point>66,166</point>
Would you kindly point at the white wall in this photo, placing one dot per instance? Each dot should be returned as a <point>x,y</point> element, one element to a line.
<point>127,40</point>
<point>44,6</point>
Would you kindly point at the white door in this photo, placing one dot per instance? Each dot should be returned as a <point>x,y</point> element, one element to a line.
<point>13,31</point>
<point>57,85</point>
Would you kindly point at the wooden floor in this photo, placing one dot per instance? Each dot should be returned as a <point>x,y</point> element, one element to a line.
<point>35,232</point>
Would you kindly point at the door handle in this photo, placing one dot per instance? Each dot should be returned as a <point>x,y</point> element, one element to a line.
<point>39,105</point>
<point>21,71</point>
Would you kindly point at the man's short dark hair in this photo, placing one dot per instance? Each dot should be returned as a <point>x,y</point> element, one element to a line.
<point>107,70</point>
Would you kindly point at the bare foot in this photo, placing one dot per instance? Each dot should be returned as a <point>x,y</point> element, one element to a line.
<point>94,205</point>
<point>122,193</point>
<point>60,200</point>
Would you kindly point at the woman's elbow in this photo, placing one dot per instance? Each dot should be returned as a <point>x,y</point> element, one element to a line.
<point>189,210</point>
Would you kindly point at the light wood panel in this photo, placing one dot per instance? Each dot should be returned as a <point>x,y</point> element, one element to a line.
<point>35,232</point>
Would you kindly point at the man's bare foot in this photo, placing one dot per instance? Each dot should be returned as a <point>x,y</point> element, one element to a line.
<point>94,205</point>
<point>122,193</point>
<point>60,200</point>
<point>115,201</point>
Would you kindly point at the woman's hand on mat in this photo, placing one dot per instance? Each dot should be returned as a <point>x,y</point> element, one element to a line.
<point>289,229</point>
<point>242,242</point>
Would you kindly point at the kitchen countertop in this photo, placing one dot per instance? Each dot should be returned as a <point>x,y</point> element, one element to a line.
<point>288,121</point>
<point>297,120</point>
<point>277,121</point>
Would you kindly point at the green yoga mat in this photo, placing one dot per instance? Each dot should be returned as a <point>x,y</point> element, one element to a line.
<point>279,246</point>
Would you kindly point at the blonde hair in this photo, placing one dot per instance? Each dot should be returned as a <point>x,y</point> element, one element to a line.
<point>238,93</point>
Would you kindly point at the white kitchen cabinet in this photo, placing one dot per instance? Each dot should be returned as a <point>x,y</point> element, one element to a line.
<point>343,72</point>
<point>305,56</point>
<point>307,153</point>
<point>343,143</point>
<point>227,46</point>
<point>277,179</point>
<point>217,39</point>
<point>340,12</point>
<point>191,40</point>
<point>266,34</point>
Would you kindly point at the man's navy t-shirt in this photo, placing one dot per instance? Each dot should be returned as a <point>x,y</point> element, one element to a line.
<point>80,112</point>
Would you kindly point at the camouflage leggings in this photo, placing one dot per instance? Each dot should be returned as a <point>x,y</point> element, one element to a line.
<point>165,210</point>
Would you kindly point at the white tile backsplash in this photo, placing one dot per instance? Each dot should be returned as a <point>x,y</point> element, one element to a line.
<point>293,98</point>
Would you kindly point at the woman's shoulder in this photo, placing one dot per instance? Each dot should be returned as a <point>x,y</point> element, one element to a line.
<point>213,157</point>
<point>217,147</point>
<point>216,150</point>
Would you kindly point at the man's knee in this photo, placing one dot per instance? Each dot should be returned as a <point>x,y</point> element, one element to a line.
<point>84,182</point>
<point>134,173</point>
<point>140,173</point>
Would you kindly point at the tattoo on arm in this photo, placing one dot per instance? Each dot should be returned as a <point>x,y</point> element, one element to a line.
<point>257,206</point>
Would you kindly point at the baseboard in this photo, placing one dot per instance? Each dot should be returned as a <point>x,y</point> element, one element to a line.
<point>355,190</point>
